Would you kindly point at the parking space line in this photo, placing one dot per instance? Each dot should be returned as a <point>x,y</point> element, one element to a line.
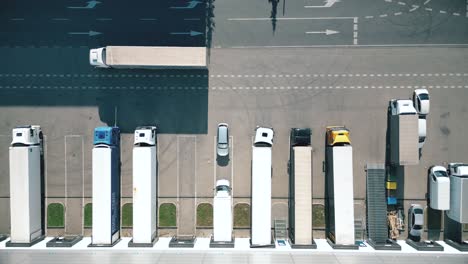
<point>232,168</point>
<point>355,33</point>
<point>215,162</point>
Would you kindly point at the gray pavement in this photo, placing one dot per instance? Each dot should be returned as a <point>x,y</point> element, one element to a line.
<point>316,88</point>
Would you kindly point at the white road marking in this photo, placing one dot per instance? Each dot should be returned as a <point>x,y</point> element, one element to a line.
<point>369,16</point>
<point>428,9</point>
<point>398,13</point>
<point>285,18</point>
<point>383,15</point>
<point>426,2</point>
<point>60,19</point>
<point>443,12</point>
<point>414,8</point>
<point>456,14</point>
<point>401,3</point>
<point>355,33</point>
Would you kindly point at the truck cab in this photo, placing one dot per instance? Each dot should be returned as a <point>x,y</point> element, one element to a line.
<point>97,58</point>
<point>26,135</point>
<point>337,135</point>
<point>300,137</point>
<point>222,188</point>
<point>402,107</point>
<point>263,137</point>
<point>145,135</point>
<point>107,136</point>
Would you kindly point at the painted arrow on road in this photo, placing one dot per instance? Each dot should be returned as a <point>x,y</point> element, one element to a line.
<point>191,4</point>
<point>91,4</point>
<point>328,3</point>
<point>191,33</point>
<point>326,32</point>
<point>89,33</point>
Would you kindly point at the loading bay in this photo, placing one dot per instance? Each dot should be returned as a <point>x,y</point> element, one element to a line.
<point>265,69</point>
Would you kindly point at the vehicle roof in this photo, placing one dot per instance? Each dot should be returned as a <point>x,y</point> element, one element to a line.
<point>405,106</point>
<point>264,135</point>
<point>222,182</point>
<point>421,91</point>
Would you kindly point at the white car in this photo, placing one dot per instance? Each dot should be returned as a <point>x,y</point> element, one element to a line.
<point>404,107</point>
<point>415,221</point>
<point>222,146</point>
<point>422,132</point>
<point>439,188</point>
<point>421,101</point>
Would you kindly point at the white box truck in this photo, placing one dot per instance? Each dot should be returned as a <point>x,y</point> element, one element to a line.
<point>404,133</point>
<point>25,186</point>
<point>339,182</point>
<point>300,184</point>
<point>261,187</point>
<point>222,212</point>
<point>458,173</point>
<point>144,187</point>
<point>106,187</point>
<point>141,57</point>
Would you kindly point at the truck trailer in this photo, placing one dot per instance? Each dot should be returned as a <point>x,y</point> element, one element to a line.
<point>300,188</point>
<point>458,173</point>
<point>25,187</point>
<point>222,212</point>
<point>404,133</point>
<point>261,188</point>
<point>106,187</point>
<point>339,187</point>
<point>144,187</point>
<point>141,57</point>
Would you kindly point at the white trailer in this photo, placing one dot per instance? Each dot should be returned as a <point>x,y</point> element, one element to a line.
<point>140,57</point>
<point>25,186</point>
<point>404,133</point>
<point>458,192</point>
<point>106,196</point>
<point>339,170</point>
<point>439,188</point>
<point>144,187</point>
<point>261,187</point>
<point>222,212</point>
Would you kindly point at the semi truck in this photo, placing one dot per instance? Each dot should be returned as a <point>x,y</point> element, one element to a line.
<point>404,133</point>
<point>339,182</point>
<point>300,187</point>
<point>25,186</point>
<point>458,173</point>
<point>261,187</point>
<point>222,212</point>
<point>106,186</point>
<point>141,57</point>
<point>144,186</point>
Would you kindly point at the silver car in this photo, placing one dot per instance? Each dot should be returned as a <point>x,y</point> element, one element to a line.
<point>415,221</point>
<point>222,146</point>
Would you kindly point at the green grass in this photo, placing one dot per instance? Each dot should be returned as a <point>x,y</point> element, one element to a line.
<point>55,215</point>
<point>242,215</point>
<point>318,215</point>
<point>205,215</point>
<point>127,215</point>
<point>88,215</point>
<point>167,215</point>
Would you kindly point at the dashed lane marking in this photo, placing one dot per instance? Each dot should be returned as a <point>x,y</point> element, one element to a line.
<point>316,75</point>
<point>222,88</point>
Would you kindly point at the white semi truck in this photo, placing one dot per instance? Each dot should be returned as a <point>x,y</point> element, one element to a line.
<point>222,212</point>
<point>25,187</point>
<point>300,188</point>
<point>144,187</point>
<point>458,173</point>
<point>106,187</point>
<point>404,133</point>
<point>141,57</point>
<point>261,187</point>
<point>339,181</point>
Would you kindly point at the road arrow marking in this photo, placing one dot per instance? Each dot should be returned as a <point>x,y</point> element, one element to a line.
<point>191,33</point>
<point>326,32</point>
<point>89,33</point>
<point>191,4</point>
<point>328,3</point>
<point>91,4</point>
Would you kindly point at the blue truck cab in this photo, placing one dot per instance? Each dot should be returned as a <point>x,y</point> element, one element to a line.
<point>107,136</point>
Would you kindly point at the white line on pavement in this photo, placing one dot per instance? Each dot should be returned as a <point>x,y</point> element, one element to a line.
<point>285,18</point>
<point>355,33</point>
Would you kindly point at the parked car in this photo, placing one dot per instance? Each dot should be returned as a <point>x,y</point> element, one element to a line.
<point>415,222</point>
<point>422,132</point>
<point>439,188</point>
<point>222,145</point>
<point>421,101</point>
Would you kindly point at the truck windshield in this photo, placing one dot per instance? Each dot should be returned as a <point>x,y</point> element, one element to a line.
<point>440,173</point>
<point>222,188</point>
<point>424,96</point>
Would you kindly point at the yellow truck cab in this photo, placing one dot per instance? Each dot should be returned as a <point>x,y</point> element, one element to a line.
<point>337,135</point>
